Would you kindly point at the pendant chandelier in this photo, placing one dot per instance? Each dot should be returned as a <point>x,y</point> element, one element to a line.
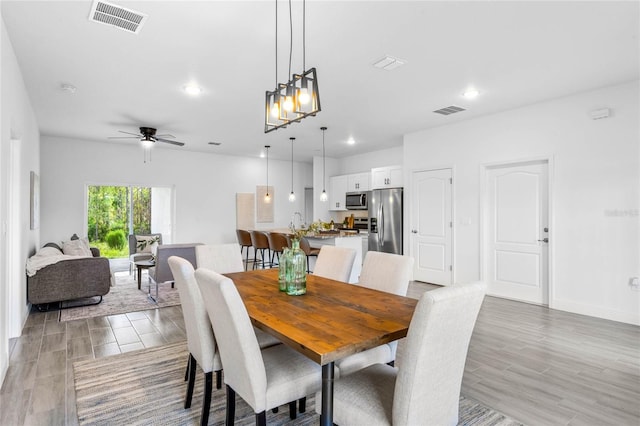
<point>292,195</point>
<point>323,197</point>
<point>267,197</point>
<point>298,98</point>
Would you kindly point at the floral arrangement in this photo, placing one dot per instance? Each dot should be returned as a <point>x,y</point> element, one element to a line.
<point>312,229</point>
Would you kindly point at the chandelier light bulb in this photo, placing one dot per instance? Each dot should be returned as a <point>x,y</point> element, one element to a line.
<point>288,103</point>
<point>324,197</point>
<point>275,110</point>
<point>304,96</point>
<point>292,197</point>
<point>267,198</point>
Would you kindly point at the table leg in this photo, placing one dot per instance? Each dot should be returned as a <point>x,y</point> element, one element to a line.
<point>139,277</point>
<point>326,417</point>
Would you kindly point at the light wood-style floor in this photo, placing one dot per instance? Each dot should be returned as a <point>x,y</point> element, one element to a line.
<point>539,366</point>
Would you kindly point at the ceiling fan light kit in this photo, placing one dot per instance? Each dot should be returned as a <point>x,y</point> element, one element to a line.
<point>148,137</point>
<point>299,97</point>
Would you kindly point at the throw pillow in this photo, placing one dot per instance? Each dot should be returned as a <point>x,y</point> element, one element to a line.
<point>146,243</point>
<point>47,251</point>
<point>54,245</point>
<point>79,247</point>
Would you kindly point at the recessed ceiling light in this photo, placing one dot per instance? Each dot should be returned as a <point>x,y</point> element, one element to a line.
<point>192,89</point>
<point>66,87</point>
<point>471,93</point>
<point>351,141</point>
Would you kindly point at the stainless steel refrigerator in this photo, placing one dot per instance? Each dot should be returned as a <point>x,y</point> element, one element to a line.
<point>385,220</point>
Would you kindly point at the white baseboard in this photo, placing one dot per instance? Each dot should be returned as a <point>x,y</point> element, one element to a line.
<point>596,311</point>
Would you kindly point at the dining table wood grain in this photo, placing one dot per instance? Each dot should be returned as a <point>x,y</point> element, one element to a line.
<point>331,321</point>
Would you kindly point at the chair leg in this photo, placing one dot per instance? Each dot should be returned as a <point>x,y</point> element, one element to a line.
<point>192,381</point>
<point>255,257</point>
<point>292,410</point>
<point>206,402</point>
<point>231,406</point>
<point>218,379</point>
<point>261,419</point>
<point>303,404</point>
<point>186,372</point>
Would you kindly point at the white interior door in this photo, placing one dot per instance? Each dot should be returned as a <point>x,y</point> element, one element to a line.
<point>518,221</point>
<point>431,226</point>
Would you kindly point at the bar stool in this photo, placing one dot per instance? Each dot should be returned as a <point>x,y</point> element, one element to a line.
<point>244,239</point>
<point>260,242</point>
<point>308,250</point>
<point>277,243</point>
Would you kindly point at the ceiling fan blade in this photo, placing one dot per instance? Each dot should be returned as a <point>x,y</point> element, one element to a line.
<point>129,133</point>
<point>123,137</point>
<point>171,142</point>
<point>166,135</point>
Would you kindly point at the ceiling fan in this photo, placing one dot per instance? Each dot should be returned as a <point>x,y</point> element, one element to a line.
<point>148,137</point>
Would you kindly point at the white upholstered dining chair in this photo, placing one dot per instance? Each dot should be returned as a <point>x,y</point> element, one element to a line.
<point>384,272</point>
<point>264,379</point>
<point>425,386</point>
<point>224,259</point>
<point>200,339</point>
<point>335,263</point>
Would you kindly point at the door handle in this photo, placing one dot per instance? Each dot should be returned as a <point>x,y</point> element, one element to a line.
<point>414,231</point>
<point>544,240</point>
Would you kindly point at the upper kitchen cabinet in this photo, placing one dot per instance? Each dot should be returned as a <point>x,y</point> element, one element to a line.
<point>387,177</point>
<point>358,182</point>
<point>338,188</point>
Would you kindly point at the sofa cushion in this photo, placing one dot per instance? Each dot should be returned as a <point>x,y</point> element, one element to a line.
<point>79,247</point>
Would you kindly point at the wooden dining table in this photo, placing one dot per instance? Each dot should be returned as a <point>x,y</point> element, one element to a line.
<point>331,321</point>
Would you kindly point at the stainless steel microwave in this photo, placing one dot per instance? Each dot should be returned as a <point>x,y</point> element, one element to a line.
<point>357,200</point>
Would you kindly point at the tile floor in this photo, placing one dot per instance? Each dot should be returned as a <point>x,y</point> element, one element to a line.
<point>539,366</point>
<point>38,387</point>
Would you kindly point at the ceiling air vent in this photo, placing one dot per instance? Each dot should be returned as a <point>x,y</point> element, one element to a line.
<point>117,16</point>
<point>449,110</point>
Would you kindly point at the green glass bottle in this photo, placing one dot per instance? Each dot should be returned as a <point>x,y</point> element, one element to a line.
<point>296,270</point>
<point>282,268</point>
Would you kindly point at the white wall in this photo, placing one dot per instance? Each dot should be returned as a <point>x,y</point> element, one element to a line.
<point>365,162</point>
<point>18,123</point>
<point>205,186</point>
<point>331,168</point>
<point>595,182</point>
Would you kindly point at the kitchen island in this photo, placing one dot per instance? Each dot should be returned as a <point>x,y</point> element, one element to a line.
<point>353,241</point>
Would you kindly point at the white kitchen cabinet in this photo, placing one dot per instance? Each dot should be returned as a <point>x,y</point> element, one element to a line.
<point>338,189</point>
<point>358,182</point>
<point>387,177</point>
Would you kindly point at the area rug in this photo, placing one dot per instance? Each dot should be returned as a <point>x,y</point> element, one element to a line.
<point>147,387</point>
<point>122,298</point>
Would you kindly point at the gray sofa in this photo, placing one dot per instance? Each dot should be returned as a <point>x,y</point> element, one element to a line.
<point>161,272</point>
<point>70,279</point>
